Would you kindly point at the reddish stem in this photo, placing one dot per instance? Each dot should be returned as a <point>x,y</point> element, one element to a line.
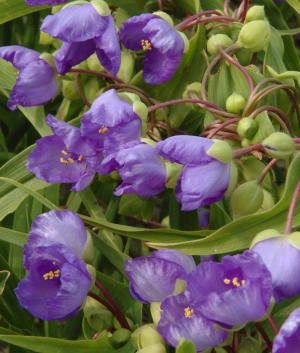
<point>103,302</point>
<point>80,94</point>
<point>266,170</point>
<point>289,220</point>
<point>264,335</point>
<point>245,11</point>
<point>101,74</point>
<point>245,150</point>
<point>273,324</point>
<point>194,17</point>
<point>220,127</point>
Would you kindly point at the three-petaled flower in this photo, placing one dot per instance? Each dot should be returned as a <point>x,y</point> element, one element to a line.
<point>58,279</point>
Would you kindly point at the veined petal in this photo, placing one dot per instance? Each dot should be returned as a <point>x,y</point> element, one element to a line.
<point>189,150</point>
<point>50,226</point>
<point>71,54</point>
<point>185,261</point>
<point>35,85</point>
<point>108,48</point>
<point>18,56</point>
<point>131,32</point>
<point>202,185</point>
<point>76,23</point>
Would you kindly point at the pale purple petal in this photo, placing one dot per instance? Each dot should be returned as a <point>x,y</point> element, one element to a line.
<point>76,23</point>
<point>288,338</point>
<point>108,48</point>
<point>18,56</point>
<point>185,261</point>
<point>44,2</point>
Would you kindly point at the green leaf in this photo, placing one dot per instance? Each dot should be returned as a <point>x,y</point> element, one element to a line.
<point>295,5</point>
<point>193,6</point>
<point>13,237</point>
<point>3,278</point>
<point>290,32</point>
<point>8,73</point>
<point>136,206</point>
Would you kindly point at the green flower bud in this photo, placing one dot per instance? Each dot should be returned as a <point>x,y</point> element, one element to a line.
<point>46,39</point>
<point>186,42</point>
<point>173,172</point>
<point>126,70</point>
<point>265,234</point>
<point>235,103</point>
<point>180,286</point>
<point>255,13</point>
<point>252,168</point>
<point>165,17</point>
<point>101,7</point>
<point>88,251</point>
<point>255,35</point>
<point>97,315</point>
<point>146,336</point>
<point>69,90</point>
<point>279,145</point>
<point>218,40</point>
<point>154,348</point>
<point>92,271</point>
<point>93,63</point>
<point>196,88</point>
<point>268,202</point>
<point>233,179</point>
<point>244,56</point>
<point>155,312</point>
<point>221,151</point>
<point>247,199</point>
<point>247,128</point>
<point>119,338</point>
<point>249,345</point>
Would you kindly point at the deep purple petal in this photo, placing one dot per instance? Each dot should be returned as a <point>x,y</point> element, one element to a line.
<point>44,162</point>
<point>44,2</point>
<point>131,32</point>
<point>185,261</point>
<point>288,338</point>
<point>109,164</point>
<point>174,325</point>
<point>35,85</point>
<point>70,135</point>
<point>71,54</point>
<point>56,298</point>
<point>76,23</point>
<point>108,48</point>
<point>203,185</point>
<point>18,56</point>
<point>64,227</point>
<point>188,150</point>
<point>283,261</point>
<point>152,279</point>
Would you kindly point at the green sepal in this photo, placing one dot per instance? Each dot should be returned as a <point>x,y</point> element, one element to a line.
<point>101,7</point>
<point>145,336</point>
<point>249,345</point>
<point>255,35</point>
<point>294,239</point>
<point>119,338</point>
<point>295,75</point>
<point>221,151</point>
<point>279,145</point>
<point>165,17</point>
<point>173,172</point>
<point>186,346</point>
<point>155,311</point>
<point>265,234</point>
<point>88,251</point>
<point>233,179</point>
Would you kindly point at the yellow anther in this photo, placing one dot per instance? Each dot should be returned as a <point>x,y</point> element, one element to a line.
<point>51,274</point>
<point>235,282</point>
<point>80,158</point>
<point>243,282</point>
<point>63,161</point>
<point>188,312</point>
<point>227,281</point>
<point>64,152</point>
<point>103,130</point>
<point>71,160</point>
<point>146,45</point>
<point>57,273</point>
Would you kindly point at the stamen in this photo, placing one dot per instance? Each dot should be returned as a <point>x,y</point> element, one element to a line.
<point>146,45</point>
<point>64,152</point>
<point>227,281</point>
<point>188,312</point>
<point>63,161</point>
<point>235,282</point>
<point>51,274</point>
<point>80,158</point>
<point>243,282</point>
<point>103,130</point>
<point>71,160</point>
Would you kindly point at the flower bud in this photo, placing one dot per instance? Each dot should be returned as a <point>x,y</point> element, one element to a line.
<point>155,312</point>
<point>252,168</point>
<point>217,40</point>
<point>268,202</point>
<point>93,63</point>
<point>245,143</point>
<point>255,35</point>
<point>98,317</point>
<point>249,345</point>
<point>247,199</point>
<point>279,145</point>
<point>196,88</point>
<point>154,348</point>
<point>247,128</point>
<point>69,90</point>
<point>221,151</point>
<point>235,103</point>
<point>119,338</point>
<point>126,70</point>
<point>255,13</point>
<point>146,336</point>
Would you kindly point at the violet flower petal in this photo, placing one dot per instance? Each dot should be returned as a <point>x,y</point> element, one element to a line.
<point>44,2</point>
<point>76,23</point>
<point>50,226</point>
<point>61,296</point>
<point>174,325</point>
<point>288,338</point>
<point>18,56</point>
<point>283,261</point>
<point>185,261</point>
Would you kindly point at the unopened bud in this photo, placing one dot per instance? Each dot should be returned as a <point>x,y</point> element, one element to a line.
<point>279,145</point>
<point>154,348</point>
<point>119,338</point>
<point>221,151</point>
<point>146,336</point>
<point>255,35</point>
<point>247,199</point>
<point>268,202</point>
<point>93,63</point>
<point>247,128</point>
<point>249,345</point>
<point>235,103</point>
<point>218,40</point>
<point>255,13</point>
<point>195,87</point>
<point>252,168</point>
<point>97,315</point>
<point>126,70</point>
<point>69,90</point>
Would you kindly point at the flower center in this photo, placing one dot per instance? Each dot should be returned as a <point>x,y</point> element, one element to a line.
<point>188,312</point>
<point>146,45</point>
<point>103,130</point>
<point>235,282</point>
<point>51,274</point>
<point>68,160</point>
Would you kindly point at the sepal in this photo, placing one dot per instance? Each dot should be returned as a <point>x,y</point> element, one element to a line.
<point>218,40</point>
<point>101,7</point>
<point>221,151</point>
<point>279,145</point>
<point>255,35</point>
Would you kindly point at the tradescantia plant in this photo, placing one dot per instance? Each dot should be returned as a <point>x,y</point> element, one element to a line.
<point>149,176</point>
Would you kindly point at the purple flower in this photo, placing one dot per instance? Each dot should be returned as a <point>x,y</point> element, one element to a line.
<point>84,31</point>
<point>36,81</point>
<point>110,123</point>
<point>283,260</point>
<point>140,168</point>
<point>44,2</point>
<point>64,157</point>
<point>58,280</point>
<point>164,46</point>
<point>288,338</point>
<point>234,292</point>
<point>153,278</point>
<point>178,320</point>
<point>203,179</point>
